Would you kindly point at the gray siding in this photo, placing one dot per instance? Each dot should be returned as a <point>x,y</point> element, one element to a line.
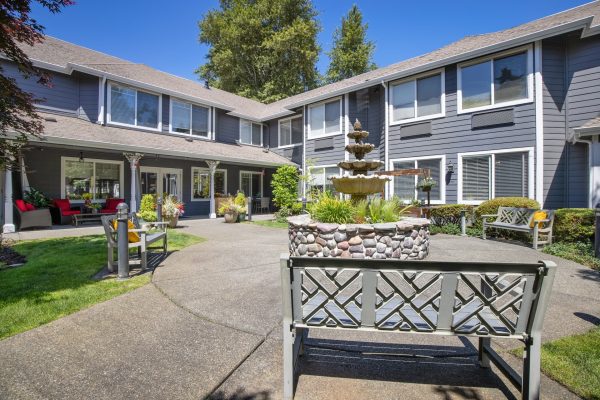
<point>452,134</point>
<point>367,105</point>
<point>88,97</point>
<point>227,128</point>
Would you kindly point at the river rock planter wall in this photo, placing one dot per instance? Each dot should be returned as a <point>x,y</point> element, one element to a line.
<point>402,240</point>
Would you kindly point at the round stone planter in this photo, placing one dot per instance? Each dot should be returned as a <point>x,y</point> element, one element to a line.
<point>402,240</point>
<point>230,218</point>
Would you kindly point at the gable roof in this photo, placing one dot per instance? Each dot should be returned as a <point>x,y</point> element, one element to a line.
<point>66,57</point>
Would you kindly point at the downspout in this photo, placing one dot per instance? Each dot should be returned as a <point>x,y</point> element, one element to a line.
<point>101,100</point>
<point>539,124</point>
<point>386,138</point>
<point>304,120</point>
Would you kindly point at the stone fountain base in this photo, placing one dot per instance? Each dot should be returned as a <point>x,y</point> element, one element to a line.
<point>403,240</point>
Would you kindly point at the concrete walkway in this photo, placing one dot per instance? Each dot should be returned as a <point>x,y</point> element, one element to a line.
<point>209,327</point>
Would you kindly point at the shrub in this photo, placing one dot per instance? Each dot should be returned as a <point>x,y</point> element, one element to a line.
<point>240,201</point>
<point>230,207</point>
<point>332,210</point>
<point>574,225</point>
<point>449,214</point>
<point>580,252</point>
<point>285,186</point>
<point>148,208</point>
<point>282,214</point>
<point>448,229</point>
<point>296,208</point>
<point>491,206</point>
<point>37,198</point>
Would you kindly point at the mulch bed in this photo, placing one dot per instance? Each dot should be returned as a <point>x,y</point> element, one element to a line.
<point>9,258</point>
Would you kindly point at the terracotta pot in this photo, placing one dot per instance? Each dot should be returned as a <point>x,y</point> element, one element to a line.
<point>231,217</point>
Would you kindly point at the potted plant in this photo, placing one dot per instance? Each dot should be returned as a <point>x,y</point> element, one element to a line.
<point>240,201</point>
<point>37,198</point>
<point>230,211</point>
<point>426,184</point>
<point>172,209</point>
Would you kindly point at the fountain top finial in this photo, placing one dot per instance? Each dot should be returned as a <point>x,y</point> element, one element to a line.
<point>357,125</point>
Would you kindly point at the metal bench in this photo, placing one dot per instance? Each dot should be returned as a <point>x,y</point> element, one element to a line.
<point>521,220</point>
<point>485,300</point>
<point>146,239</point>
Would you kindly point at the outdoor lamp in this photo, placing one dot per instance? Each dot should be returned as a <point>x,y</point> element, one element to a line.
<point>450,168</point>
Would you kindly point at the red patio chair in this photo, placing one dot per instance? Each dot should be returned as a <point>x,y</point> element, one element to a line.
<point>110,207</point>
<point>62,211</point>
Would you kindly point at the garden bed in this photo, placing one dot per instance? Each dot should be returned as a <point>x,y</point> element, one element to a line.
<point>405,239</point>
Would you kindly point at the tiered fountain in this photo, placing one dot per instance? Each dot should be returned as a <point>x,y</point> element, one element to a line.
<point>405,239</point>
<point>359,184</point>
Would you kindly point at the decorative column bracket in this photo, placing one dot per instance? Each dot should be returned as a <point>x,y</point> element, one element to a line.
<point>212,168</point>
<point>134,162</point>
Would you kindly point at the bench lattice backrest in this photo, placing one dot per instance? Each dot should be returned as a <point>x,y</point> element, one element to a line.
<point>484,299</point>
<point>515,216</point>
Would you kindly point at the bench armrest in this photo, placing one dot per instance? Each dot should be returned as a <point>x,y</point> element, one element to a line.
<point>138,230</point>
<point>489,215</point>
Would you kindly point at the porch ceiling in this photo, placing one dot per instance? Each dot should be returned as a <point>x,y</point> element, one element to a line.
<point>60,129</point>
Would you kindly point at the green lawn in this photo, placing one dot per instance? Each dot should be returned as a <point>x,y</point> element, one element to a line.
<point>57,280</point>
<point>271,224</point>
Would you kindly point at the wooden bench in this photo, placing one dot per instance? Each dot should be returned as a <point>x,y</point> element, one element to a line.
<point>146,239</point>
<point>521,220</point>
<point>485,300</point>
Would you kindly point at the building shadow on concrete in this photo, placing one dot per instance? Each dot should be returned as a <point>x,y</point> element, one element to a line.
<point>240,394</point>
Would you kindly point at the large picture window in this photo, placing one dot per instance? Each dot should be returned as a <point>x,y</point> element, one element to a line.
<point>189,119</point>
<point>101,178</point>
<point>405,186</point>
<point>325,119</point>
<point>201,183</point>
<point>319,179</point>
<point>490,175</point>
<point>290,132</point>
<point>416,99</point>
<point>499,81</point>
<point>128,106</point>
<point>250,132</point>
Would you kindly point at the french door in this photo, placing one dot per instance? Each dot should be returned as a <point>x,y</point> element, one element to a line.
<point>161,180</point>
<point>251,183</point>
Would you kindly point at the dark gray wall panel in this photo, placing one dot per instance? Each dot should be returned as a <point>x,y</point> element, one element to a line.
<point>88,97</point>
<point>228,128</point>
<point>492,118</point>
<point>420,129</point>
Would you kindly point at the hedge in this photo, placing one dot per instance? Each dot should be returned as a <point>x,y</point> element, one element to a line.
<point>574,225</point>
<point>449,214</point>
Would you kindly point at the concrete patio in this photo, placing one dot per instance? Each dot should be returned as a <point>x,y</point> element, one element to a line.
<point>209,327</point>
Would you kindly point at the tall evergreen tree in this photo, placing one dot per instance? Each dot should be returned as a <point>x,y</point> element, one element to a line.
<point>352,53</point>
<point>261,49</point>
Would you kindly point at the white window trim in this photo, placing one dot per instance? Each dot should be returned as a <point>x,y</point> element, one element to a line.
<point>442,183</point>
<point>279,133</point>
<point>529,99</point>
<point>208,132</point>
<point>442,72</point>
<point>262,177</point>
<point>63,160</point>
<point>322,103</point>
<point>204,169</point>
<point>109,108</point>
<point>251,122</point>
<point>530,175</point>
<point>310,169</point>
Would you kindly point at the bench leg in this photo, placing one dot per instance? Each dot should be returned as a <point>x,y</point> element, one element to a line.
<point>111,259</point>
<point>536,235</point>
<point>483,231</point>
<point>531,369</point>
<point>288,363</point>
<point>144,261</point>
<point>484,360</point>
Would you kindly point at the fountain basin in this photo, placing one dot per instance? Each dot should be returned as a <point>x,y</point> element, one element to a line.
<point>363,165</point>
<point>407,239</point>
<point>359,184</point>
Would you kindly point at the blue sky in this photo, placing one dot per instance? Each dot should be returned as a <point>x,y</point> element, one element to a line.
<point>164,35</point>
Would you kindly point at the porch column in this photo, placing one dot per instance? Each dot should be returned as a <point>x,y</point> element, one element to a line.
<point>212,168</point>
<point>134,162</point>
<point>9,226</point>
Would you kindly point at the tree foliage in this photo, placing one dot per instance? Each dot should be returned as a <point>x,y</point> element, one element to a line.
<point>17,113</point>
<point>352,53</point>
<point>285,186</point>
<point>261,49</point>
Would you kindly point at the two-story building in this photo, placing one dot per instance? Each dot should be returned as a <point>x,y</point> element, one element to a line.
<point>508,113</point>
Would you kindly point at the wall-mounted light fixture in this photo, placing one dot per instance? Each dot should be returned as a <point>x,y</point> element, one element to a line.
<point>450,168</point>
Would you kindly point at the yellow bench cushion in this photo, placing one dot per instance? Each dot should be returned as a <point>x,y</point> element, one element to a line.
<point>538,216</point>
<point>132,237</point>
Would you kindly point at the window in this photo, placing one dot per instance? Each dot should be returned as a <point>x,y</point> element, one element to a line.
<point>502,80</point>
<point>129,106</point>
<point>405,187</point>
<point>319,181</point>
<point>161,180</point>
<point>102,179</point>
<point>251,183</point>
<point>189,119</point>
<point>490,175</point>
<point>290,132</point>
<point>325,119</point>
<point>416,99</point>
<point>250,132</point>
<point>201,183</point>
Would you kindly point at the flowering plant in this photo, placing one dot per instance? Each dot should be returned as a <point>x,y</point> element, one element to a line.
<point>172,208</point>
<point>426,184</point>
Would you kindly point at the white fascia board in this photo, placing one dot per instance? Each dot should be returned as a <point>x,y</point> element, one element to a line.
<point>149,150</point>
<point>245,116</point>
<point>518,41</point>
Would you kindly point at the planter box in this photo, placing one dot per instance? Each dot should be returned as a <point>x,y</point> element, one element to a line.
<point>405,239</point>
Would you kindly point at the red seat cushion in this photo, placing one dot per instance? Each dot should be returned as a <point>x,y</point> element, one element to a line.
<point>70,212</point>
<point>62,204</point>
<point>111,204</point>
<point>29,206</point>
<point>21,205</point>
